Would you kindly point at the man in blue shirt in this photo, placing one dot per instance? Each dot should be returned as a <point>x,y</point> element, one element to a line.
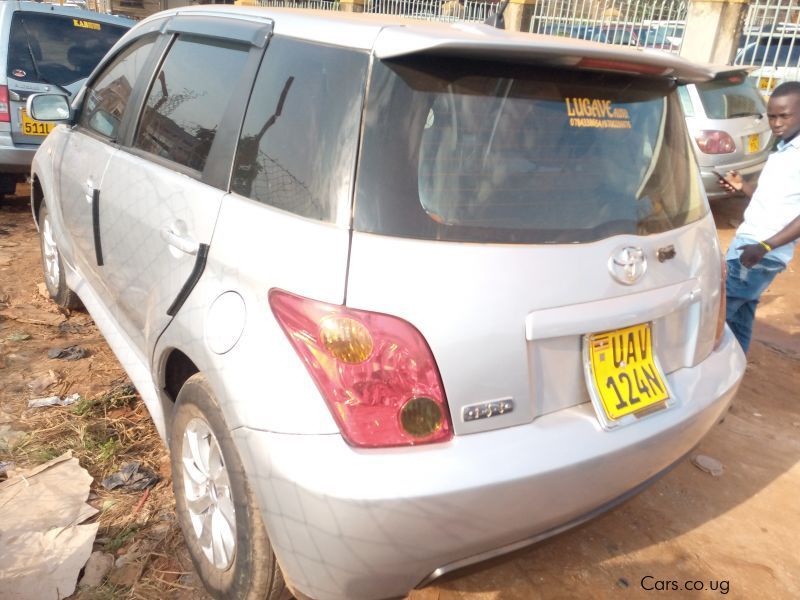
<point>765,240</point>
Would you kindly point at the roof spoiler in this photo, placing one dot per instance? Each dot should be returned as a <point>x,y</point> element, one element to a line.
<point>479,41</point>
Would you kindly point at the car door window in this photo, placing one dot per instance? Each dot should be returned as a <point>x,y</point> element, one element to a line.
<point>188,100</point>
<point>107,97</point>
<point>298,143</point>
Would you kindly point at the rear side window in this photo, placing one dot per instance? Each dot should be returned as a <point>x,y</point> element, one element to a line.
<point>298,144</point>
<point>50,48</point>
<point>188,100</point>
<point>494,152</point>
<point>686,101</point>
<point>731,96</point>
<point>106,99</point>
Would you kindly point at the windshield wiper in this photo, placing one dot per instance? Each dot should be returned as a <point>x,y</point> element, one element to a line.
<point>39,75</point>
<point>744,114</point>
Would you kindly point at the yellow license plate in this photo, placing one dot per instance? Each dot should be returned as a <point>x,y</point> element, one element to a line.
<point>31,127</point>
<point>624,372</point>
<point>752,143</point>
<point>766,84</point>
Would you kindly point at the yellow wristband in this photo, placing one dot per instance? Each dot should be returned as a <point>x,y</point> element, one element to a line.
<point>767,247</point>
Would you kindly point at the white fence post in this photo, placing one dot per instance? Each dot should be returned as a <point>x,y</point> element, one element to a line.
<point>712,30</point>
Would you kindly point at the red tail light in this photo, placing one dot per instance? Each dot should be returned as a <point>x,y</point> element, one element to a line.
<point>5,113</point>
<point>715,142</point>
<point>375,371</point>
<point>722,306</point>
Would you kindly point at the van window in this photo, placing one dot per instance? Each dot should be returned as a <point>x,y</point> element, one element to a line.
<point>298,144</point>
<point>496,152</point>
<point>188,100</point>
<point>51,48</point>
<point>730,96</point>
<point>106,99</point>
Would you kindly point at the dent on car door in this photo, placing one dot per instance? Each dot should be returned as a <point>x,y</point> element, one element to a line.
<point>89,147</point>
<point>158,213</point>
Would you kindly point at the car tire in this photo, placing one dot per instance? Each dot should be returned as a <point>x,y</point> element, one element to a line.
<point>52,265</point>
<point>216,508</point>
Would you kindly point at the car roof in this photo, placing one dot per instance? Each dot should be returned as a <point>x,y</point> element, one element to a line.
<point>390,36</point>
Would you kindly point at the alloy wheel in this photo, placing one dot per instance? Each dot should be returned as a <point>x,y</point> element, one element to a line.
<point>208,494</point>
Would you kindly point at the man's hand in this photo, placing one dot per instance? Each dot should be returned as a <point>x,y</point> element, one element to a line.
<point>731,182</point>
<point>751,254</point>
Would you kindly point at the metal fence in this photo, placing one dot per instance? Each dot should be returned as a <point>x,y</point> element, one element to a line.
<point>769,42</point>
<point>313,4</point>
<point>643,23</point>
<point>432,10</point>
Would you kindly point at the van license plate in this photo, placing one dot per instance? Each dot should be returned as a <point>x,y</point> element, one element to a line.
<point>624,371</point>
<point>766,84</point>
<point>31,127</point>
<point>752,143</point>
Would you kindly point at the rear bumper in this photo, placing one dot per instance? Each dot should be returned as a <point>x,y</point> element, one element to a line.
<point>356,524</point>
<point>15,158</point>
<point>749,171</point>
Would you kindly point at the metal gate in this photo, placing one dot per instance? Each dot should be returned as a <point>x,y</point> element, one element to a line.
<point>642,23</point>
<point>769,42</point>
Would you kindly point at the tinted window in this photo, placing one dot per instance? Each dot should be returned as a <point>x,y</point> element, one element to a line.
<point>106,99</point>
<point>55,49</point>
<point>778,52</point>
<point>188,100</point>
<point>731,96</point>
<point>472,151</point>
<point>686,101</point>
<point>298,144</point>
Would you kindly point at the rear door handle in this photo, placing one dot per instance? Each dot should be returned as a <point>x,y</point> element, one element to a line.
<point>181,242</point>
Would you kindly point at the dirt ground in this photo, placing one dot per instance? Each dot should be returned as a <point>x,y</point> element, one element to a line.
<point>691,535</point>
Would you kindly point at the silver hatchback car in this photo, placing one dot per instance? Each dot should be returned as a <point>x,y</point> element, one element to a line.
<point>400,296</point>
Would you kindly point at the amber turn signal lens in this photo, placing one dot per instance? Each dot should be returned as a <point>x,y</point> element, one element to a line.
<point>346,339</point>
<point>421,417</point>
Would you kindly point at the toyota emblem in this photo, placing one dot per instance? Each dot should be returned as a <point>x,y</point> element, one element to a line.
<point>627,264</point>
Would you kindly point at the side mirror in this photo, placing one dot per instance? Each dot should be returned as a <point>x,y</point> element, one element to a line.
<point>48,107</point>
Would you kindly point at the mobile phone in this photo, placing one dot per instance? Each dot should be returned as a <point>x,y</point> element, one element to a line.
<point>717,173</point>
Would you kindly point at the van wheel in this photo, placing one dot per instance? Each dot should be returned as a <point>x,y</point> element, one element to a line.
<point>52,265</point>
<point>216,509</point>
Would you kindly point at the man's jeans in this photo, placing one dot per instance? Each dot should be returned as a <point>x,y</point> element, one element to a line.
<point>743,288</point>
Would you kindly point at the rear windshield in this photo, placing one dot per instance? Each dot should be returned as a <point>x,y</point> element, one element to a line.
<point>492,152</point>
<point>731,96</point>
<point>55,49</point>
